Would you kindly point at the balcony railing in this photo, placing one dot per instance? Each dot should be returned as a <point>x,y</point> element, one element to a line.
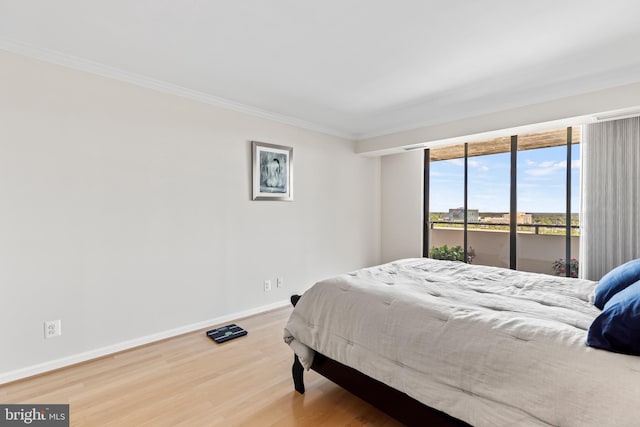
<point>486,225</point>
<point>538,245</point>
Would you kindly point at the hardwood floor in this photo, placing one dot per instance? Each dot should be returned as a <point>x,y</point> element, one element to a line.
<point>191,381</point>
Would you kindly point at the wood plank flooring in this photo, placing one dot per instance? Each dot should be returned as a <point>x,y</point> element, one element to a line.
<point>191,381</point>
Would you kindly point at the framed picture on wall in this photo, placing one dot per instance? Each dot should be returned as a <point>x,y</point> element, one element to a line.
<point>272,171</point>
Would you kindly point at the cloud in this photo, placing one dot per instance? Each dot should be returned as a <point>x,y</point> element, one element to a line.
<point>477,165</point>
<point>549,164</point>
<point>472,164</point>
<point>549,167</point>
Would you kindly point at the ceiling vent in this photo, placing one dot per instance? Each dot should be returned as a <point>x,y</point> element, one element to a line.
<point>616,115</point>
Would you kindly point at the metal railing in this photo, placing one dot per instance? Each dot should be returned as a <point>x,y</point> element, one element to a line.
<point>486,225</point>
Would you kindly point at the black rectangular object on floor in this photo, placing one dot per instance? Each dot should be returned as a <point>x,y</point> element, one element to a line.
<point>226,333</point>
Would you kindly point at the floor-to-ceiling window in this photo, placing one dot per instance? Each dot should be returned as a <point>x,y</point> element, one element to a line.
<point>488,192</point>
<point>508,201</point>
<point>543,194</point>
<point>446,201</point>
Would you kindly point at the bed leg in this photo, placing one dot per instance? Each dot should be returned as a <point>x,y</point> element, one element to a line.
<point>294,299</point>
<point>297,372</point>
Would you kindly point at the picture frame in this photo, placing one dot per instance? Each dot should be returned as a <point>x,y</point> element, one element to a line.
<point>272,171</point>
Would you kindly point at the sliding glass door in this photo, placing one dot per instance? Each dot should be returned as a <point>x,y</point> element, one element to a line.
<point>446,201</point>
<point>508,202</point>
<point>488,195</point>
<point>548,203</point>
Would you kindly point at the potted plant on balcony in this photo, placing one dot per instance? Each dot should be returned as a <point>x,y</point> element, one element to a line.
<point>455,253</point>
<point>560,267</point>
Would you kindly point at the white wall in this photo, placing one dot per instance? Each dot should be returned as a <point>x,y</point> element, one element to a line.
<point>126,212</point>
<point>402,184</point>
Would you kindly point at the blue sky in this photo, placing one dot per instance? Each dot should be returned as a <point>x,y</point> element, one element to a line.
<point>541,182</point>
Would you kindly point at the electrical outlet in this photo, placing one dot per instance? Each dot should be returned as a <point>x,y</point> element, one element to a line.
<point>279,282</point>
<point>52,328</point>
<point>267,285</point>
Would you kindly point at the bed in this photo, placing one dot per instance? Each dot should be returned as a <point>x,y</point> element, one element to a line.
<point>447,343</point>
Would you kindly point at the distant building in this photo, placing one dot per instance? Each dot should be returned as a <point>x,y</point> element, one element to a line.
<point>458,215</point>
<point>521,218</point>
<point>525,218</point>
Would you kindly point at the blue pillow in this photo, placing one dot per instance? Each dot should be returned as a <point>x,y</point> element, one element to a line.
<point>617,328</point>
<point>615,281</point>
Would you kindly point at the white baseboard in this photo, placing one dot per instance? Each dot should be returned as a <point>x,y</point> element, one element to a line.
<point>29,371</point>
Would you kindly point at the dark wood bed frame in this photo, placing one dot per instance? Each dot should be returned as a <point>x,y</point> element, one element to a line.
<point>395,403</point>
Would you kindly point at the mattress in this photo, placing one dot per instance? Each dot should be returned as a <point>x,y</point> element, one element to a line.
<point>489,346</point>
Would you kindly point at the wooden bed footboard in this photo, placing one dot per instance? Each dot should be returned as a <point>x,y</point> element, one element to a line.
<point>393,402</point>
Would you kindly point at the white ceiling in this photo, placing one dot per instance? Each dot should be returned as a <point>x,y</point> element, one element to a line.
<point>355,68</point>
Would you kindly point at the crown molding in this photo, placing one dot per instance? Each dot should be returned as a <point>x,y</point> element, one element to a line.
<point>70,61</point>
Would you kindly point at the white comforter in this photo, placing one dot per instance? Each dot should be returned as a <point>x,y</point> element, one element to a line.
<point>490,346</point>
